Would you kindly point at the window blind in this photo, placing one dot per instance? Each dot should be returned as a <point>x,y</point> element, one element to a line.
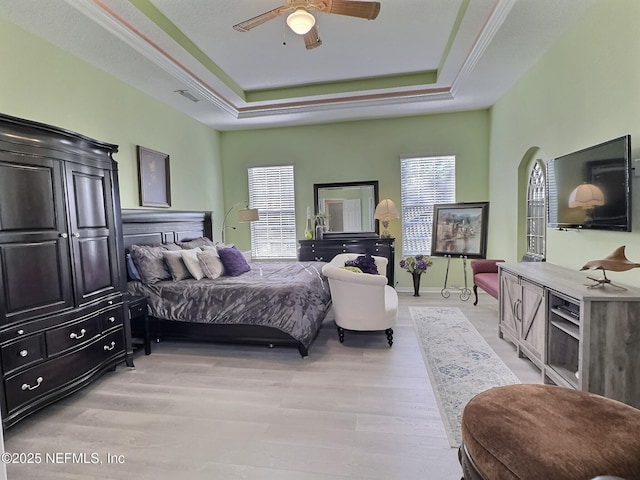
<point>425,181</point>
<point>271,191</point>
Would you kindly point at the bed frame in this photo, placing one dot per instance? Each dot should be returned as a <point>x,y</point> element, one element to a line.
<point>153,227</point>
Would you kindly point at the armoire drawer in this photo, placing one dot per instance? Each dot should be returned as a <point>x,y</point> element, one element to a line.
<point>37,381</point>
<point>71,335</point>
<point>112,318</point>
<point>22,353</point>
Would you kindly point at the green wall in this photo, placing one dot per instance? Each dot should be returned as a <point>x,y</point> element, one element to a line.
<point>363,150</point>
<point>585,90</point>
<point>40,82</point>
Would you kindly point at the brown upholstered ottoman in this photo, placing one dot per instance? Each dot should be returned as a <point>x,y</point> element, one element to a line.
<point>548,432</point>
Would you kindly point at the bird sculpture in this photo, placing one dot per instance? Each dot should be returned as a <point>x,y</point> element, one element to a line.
<point>616,262</point>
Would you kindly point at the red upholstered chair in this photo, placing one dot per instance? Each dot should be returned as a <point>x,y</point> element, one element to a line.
<point>485,276</point>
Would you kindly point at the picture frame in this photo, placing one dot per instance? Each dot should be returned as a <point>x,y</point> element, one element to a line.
<point>460,229</point>
<point>153,178</point>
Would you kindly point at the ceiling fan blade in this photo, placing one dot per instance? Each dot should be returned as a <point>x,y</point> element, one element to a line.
<point>312,39</point>
<point>259,19</point>
<point>352,8</point>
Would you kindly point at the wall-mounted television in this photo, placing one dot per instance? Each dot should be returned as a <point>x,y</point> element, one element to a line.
<point>591,188</point>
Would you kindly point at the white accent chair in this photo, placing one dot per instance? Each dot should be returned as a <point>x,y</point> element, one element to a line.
<point>361,301</point>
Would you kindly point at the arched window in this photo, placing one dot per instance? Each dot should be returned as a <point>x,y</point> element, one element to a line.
<point>536,213</point>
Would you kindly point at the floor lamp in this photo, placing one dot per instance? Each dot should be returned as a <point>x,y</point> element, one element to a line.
<point>244,215</point>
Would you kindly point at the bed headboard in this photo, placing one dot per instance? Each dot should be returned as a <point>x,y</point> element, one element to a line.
<point>153,227</point>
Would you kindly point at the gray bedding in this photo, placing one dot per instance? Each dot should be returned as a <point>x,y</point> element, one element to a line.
<point>290,296</point>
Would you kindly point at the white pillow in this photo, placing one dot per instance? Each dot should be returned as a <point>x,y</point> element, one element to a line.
<point>211,263</point>
<point>190,259</point>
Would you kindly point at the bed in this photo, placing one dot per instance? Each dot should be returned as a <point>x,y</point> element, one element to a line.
<point>274,304</point>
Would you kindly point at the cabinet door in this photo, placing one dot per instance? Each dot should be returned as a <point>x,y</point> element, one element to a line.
<point>93,235</point>
<point>509,301</point>
<point>35,276</point>
<point>532,314</point>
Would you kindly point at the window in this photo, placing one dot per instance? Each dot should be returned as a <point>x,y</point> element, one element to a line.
<point>271,191</point>
<point>425,181</point>
<point>536,223</point>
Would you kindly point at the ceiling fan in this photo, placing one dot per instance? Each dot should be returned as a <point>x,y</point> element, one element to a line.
<point>302,22</point>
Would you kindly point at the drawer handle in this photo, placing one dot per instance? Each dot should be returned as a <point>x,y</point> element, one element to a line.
<point>23,353</point>
<point>112,319</point>
<point>20,332</point>
<point>26,386</point>
<point>110,347</point>
<point>76,336</point>
<point>110,302</point>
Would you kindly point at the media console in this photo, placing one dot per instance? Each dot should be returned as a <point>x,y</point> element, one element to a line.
<point>579,337</point>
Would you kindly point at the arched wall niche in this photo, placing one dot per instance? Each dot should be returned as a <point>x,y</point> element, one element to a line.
<point>532,155</point>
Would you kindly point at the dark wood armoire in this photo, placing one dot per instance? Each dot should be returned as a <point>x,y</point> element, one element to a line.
<point>63,315</point>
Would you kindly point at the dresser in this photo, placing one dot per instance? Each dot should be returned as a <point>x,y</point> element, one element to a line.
<point>325,250</point>
<point>63,313</point>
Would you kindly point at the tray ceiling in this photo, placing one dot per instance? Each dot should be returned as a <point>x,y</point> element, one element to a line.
<point>416,57</point>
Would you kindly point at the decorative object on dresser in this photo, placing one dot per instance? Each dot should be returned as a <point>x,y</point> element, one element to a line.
<point>308,231</point>
<point>63,315</point>
<point>577,336</point>
<point>324,250</point>
<point>386,211</point>
<point>153,178</point>
<point>616,262</point>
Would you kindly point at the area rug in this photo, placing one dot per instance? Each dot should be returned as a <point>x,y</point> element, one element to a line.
<point>459,361</point>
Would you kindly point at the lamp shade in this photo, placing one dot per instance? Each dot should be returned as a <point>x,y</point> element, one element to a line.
<point>586,195</point>
<point>386,210</point>
<point>248,215</point>
<point>301,21</point>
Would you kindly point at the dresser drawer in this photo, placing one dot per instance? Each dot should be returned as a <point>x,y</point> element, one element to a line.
<point>37,381</point>
<point>22,353</point>
<point>112,318</point>
<point>71,335</point>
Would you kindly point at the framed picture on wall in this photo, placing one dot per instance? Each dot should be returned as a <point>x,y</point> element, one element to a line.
<point>460,229</point>
<point>153,178</point>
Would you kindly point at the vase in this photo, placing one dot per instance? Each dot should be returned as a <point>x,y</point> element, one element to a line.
<point>416,284</point>
<point>308,233</point>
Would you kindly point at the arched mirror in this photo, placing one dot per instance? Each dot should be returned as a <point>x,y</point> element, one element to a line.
<point>347,207</point>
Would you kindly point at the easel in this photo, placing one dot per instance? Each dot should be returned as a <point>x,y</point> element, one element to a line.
<point>465,292</point>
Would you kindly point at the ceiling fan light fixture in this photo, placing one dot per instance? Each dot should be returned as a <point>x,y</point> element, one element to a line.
<point>301,21</point>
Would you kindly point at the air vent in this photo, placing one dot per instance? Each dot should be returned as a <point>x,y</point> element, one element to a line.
<point>187,94</point>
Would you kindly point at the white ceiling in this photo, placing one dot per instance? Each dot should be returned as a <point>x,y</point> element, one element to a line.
<point>474,49</point>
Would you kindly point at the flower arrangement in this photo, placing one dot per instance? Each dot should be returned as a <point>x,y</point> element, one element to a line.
<point>321,218</point>
<point>416,264</point>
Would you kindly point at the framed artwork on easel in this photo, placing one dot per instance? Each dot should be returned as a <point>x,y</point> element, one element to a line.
<point>460,229</point>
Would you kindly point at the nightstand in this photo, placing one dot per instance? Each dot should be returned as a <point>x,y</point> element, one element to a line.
<point>138,313</point>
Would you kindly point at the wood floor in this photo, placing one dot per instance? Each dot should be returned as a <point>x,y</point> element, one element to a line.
<point>358,411</point>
